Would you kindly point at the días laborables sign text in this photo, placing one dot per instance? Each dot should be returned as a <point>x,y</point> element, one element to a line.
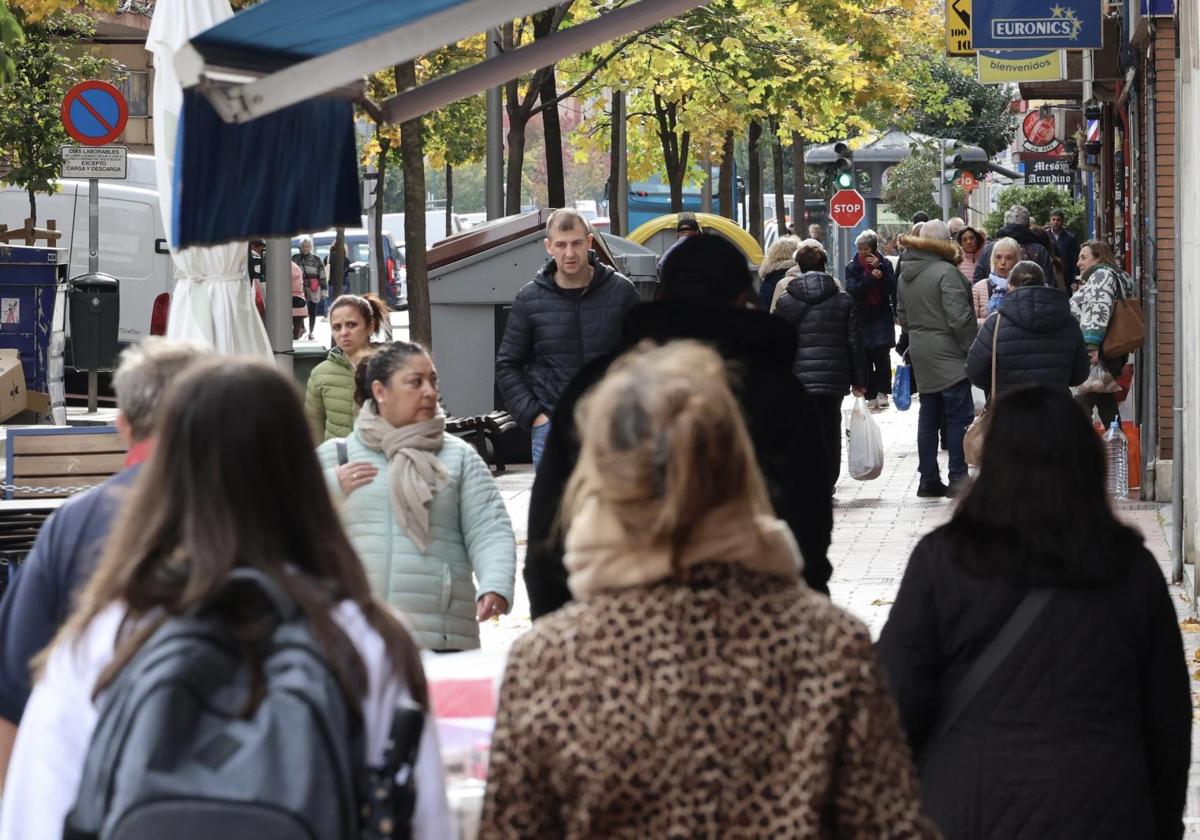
<point>1036,24</point>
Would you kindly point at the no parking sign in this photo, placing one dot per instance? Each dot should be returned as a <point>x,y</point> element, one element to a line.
<point>94,113</point>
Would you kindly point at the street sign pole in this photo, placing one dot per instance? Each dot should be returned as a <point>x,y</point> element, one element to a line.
<point>93,267</point>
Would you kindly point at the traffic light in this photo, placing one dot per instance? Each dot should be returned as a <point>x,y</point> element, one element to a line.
<point>843,167</point>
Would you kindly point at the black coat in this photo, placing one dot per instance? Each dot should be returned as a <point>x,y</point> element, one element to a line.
<point>1039,343</point>
<point>1084,731</point>
<point>829,349</point>
<point>1067,246</point>
<point>779,416</point>
<point>877,322</point>
<point>1035,248</point>
<point>552,333</point>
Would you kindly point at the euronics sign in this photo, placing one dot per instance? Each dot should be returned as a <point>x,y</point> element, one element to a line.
<point>1036,24</point>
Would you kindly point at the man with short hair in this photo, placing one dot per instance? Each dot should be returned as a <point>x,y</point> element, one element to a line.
<point>569,314</point>
<point>1033,246</point>
<point>1066,244</point>
<point>71,541</point>
<point>956,224</point>
<point>706,294</point>
<point>920,217</point>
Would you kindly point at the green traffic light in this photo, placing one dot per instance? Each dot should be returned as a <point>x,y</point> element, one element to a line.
<point>845,180</point>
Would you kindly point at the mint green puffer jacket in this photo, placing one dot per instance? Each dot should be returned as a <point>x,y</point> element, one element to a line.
<point>329,397</point>
<point>472,535</point>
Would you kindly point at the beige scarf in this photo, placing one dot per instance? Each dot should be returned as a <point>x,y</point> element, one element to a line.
<point>415,474</point>
<point>600,554</point>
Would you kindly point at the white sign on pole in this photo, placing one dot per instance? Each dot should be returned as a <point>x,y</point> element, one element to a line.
<point>94,161</point>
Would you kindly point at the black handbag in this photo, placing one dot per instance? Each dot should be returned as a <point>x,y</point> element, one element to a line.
<point>390,789</point>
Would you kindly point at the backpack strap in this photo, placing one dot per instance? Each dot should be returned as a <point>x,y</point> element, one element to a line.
<point>391,788</point>
<point>343,452</point>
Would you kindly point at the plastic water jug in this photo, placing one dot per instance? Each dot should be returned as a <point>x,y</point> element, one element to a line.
<point>1116,453</point>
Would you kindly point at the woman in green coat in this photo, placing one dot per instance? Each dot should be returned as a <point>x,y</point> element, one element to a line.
<point>329,398</point>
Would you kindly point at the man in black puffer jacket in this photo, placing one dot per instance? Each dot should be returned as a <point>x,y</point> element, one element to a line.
<point>830,359</point>
<point>570,313</point>
<point>1039,342</point>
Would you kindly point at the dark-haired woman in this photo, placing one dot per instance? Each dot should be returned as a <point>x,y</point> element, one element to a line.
<point>329,396</point>
<point>205,504</point>
<point>1101,284</point>
<point>421,506</point>
<point>1081,728</point>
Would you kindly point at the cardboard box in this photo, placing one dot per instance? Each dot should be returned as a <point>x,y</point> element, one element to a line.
<point>13,398</point>
<point>37,402</point>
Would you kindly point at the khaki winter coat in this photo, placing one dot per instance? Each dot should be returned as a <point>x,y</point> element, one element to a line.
<point>934,304</point>
<point>329,397</point>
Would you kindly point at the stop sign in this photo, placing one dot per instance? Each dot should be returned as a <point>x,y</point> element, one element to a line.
<point>847,208</point>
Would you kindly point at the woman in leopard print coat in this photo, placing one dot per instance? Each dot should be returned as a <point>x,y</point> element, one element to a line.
<point>695,688</point>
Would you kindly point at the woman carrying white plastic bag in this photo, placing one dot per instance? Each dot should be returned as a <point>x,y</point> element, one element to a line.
<point>866,444</point>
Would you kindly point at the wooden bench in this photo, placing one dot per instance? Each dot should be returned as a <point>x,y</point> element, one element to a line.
<point>480,431</point>
<point>56,462</point>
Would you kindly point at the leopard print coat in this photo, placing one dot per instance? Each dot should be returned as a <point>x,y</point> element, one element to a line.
<point>736,705</point>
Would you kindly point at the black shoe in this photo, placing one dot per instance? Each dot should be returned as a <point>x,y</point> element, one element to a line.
<point>931,489</point>
<point>956,487</point>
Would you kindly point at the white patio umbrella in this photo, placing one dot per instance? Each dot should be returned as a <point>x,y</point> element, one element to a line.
<point>213,300</point>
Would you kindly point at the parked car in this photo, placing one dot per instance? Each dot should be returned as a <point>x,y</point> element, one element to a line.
<point>358,252</point>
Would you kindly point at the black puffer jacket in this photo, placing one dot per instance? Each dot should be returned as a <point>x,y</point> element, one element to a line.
<point>829,349</point>
<point>1083,732</point>
<point>552,333</point>
<point>1039,343</point>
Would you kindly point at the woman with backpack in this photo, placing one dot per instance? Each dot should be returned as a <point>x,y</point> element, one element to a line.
<point>1034,650</point>
<point>830,359</point>
<point>696,688</point>
<point>329,395</point>
<point>420,505</point>
<point>1101,284</point>
<point>225,638</point>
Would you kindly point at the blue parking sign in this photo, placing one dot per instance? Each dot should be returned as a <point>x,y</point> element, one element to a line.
<point>1036,25</point>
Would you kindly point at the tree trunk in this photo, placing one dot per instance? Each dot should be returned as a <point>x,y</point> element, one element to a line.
<point>726,197</point>
<point>674,147</point>
<point>516,149</point>
<point>614,166</point>
<point>449,199</point>
<point>544,25</point>
<point>377,255</point>
<point>337,265</point>
<point>706,183</point>
<point>32,207</point>
<point>754,179</point>
<point>412,150</point>
<point>777,177</point>
<point>799,208</point>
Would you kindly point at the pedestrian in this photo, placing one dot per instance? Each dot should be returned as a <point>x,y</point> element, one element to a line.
<point>299,304</point>
<point>970,242</point>
<point>871,281</point>
<point>211,503</point>
<point>1034,650</point>
<point>706,294</point>
<point>329,396</point>
<point>816,232</point>
<point>420,506</point>
<point>955,224</point>
<point>569,314</point>
<point>934,305</point>
<point>830,359</point>
<point>1101,283</point>
<point>696,689</point>
<point>1033,244</point>
<point>775,264</point>
<point>988,294</point>
<point>1039,342</point>
<point>1066,245</point>
<point>920,217</point>
<point>316,283</point>
<point>686,226</point>
<point>69,544</point>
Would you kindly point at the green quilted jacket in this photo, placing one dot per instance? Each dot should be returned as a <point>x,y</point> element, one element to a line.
<point>329,399</point>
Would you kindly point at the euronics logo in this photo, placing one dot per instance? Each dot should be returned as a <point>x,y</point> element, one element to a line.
<point>1062,23</point>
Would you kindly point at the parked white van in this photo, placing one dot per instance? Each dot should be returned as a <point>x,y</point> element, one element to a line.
<point>133,244</point>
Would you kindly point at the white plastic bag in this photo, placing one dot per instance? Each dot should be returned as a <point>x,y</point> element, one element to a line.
<point>980,399</point>
<point>866,444</point>
<point>1099,381</point>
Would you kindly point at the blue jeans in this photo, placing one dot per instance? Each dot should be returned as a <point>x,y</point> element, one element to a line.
<point>537,438</point>
<point>959,407</point>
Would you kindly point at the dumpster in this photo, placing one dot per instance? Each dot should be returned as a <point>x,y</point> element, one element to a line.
<point>95,314</point>
<point>31,279</point>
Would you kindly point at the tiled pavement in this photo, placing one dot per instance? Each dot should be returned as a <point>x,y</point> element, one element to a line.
<point>876,525</point>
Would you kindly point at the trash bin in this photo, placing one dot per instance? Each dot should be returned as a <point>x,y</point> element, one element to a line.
<point>29,281</point>
<point>95,311</point>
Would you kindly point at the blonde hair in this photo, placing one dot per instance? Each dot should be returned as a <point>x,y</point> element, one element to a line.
<point>1005,243</point>
<point>782,250</point>
<point>663,444</point>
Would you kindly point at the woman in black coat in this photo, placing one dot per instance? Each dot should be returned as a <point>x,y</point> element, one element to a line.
<point>1083,728</point>
<point>1039,342</point>
<point>829,355</point>
<point>871,281</point>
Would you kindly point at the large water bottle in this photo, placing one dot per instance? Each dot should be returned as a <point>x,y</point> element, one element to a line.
<point>1116,451</point>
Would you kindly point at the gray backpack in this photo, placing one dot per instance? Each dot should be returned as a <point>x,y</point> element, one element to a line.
<point>174,754</point>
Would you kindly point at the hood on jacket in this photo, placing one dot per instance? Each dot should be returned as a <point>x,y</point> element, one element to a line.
<point>1037,308</point>
<point>339,358</point>
<point>770,268</point>
<point>601,273</point>
<point>921,249</point>
<point>812,287</point>
<point>748,335</point>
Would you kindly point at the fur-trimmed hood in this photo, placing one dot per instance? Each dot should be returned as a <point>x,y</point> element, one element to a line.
<point>944,248</point>
<point>779,265</point>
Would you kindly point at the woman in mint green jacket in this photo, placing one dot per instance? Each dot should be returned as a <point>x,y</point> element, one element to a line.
<point>420,506</point>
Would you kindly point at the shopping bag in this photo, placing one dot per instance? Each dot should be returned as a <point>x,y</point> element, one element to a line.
<point>1099,381</point>
<point>866,443</point>
<point>902,387</point>
<point>980,400</point>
